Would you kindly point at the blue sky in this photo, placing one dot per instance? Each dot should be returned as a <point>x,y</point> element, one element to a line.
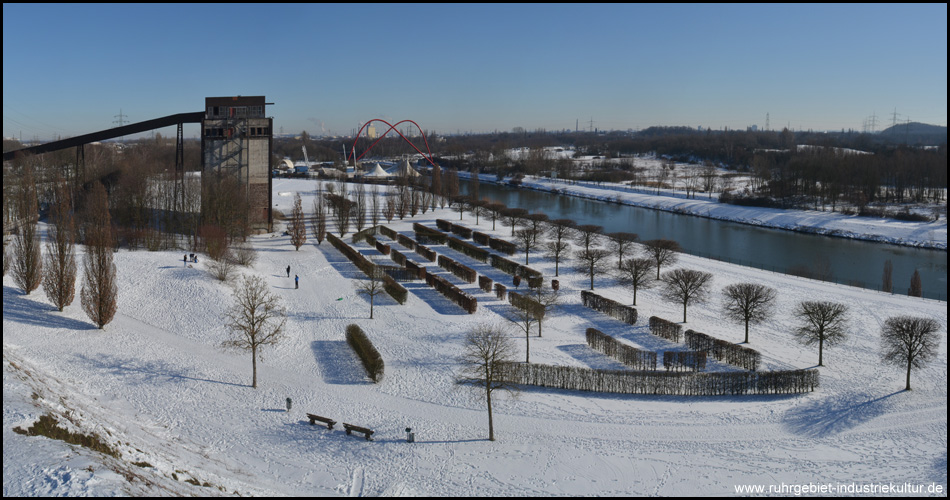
<point>70,69</point>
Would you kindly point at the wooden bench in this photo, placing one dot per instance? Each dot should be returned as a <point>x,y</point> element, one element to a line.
<point>313,418</point>
<point>366,432</point>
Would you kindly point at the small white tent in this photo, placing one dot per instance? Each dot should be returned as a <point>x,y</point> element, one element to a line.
<point>406,170</point>
<point>376,173</point>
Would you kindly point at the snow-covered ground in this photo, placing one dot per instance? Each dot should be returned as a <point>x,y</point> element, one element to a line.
<point>156,384</point>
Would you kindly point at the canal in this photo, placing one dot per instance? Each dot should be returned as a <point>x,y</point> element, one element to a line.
<point>847,261</point>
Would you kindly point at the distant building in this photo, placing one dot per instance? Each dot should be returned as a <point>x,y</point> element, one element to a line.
<point>237,138</point>
<point>371,132</point>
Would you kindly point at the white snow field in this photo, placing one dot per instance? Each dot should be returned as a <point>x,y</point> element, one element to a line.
<point>156,385</point>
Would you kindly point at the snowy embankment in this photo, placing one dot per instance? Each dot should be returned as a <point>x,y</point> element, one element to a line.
<point>916,234</point>
<point>156,384</point>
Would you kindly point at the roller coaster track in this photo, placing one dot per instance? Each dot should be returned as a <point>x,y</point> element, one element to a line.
<point>391,128</point>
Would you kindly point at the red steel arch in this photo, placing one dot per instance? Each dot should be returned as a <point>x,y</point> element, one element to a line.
<point>391,128</point>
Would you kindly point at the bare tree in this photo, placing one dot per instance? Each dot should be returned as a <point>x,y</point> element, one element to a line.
<point>560,231</point>
<point>437,187</point>
<point>390,208</point>
<point>823,322</point>
<point>59,282</point>
<point>99,294</point>
<point>621,243</point>
<point>663,252</point>
<point>748,303</point>
<point>636,273</point>
<point>256,319</point>
<point>526,240</point>
<point>298,224</point>
<point>536,222</point>
<point>587,235</point>
<point>27,261</point>
<point>494,211</point>
<point>547,300</point>
<point>486,350</point>
<point>686,286</point>
<point>513,217</point>
<point>911,341</point>
<point>916,287</point>
<point>359,207</point>
<point>372,286</point>
<point>887,282</point>
<point>375,206</point>
<point>223,267</point>
<point>592,262</point>
<point>319,215</point>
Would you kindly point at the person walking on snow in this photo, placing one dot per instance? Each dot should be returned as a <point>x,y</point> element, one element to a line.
<point>288,271</point>
<point>296,282</point>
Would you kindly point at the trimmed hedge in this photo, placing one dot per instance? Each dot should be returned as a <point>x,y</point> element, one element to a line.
<point>406,241</point>
<point>462,271</point>
<point>426,253</point>
<point>485,283</point>
<point>500,291</point>
<point>734,354</point>
<point>452,292</point>
<point>394,289</point>
<point>364,234</point>
<point>665,329</point>
<point>505,247</point>
<point>468,249</point>
<point>480,238</point>
<point>612,308</point>
<point>427,235</point>
<point>513,268</point>
<point>372,360</point>
<point>389,233</point>
<point>528,304</point>
<point>628,355</point>
<point>659,382</point>
<point>684,360</point>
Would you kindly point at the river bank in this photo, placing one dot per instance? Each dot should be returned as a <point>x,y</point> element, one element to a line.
<point>928,235</point>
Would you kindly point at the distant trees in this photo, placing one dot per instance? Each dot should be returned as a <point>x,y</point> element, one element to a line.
<point>686,286</point>
<point>99,293</point>
<point>822,322</point>
<point>255,320</point>
<point>486,350</point>
<point>910,341</point>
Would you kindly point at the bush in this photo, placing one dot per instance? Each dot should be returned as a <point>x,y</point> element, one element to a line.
<point>372,360</point>
<point>500,291</point>
<point>684,360</point>
<point>481,238</point>
<point>426,235</point>
<point>505,247</point>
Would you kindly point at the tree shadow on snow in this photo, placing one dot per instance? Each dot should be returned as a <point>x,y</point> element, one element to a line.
<point>837,413</point>
<point>338,363</point>
<point>151,371</point>
<point>18,307</point>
